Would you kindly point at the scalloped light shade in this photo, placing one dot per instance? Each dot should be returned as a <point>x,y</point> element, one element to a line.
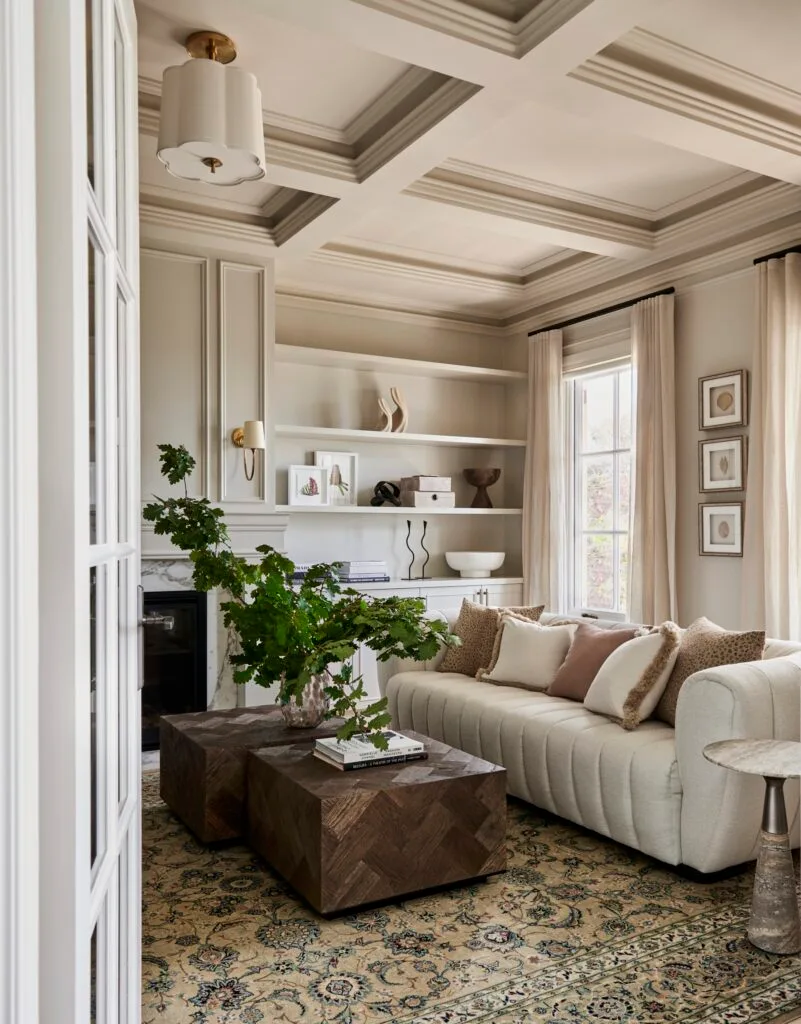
<point>211,111</point>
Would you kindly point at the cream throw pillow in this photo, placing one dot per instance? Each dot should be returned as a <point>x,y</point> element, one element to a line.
<point>631,681</point>
<point>528,655</point>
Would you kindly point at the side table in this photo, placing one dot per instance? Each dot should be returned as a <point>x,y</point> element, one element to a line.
<point>775,924</point>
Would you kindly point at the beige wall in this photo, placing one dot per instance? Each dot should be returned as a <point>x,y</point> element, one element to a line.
<point>715,328</point>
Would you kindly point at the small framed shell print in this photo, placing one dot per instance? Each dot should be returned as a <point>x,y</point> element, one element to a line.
<point>721,529</point>
<point>723,400</point>
<point>721,464</point>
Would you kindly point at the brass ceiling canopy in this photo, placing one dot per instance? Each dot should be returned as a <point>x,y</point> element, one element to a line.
<point>212,46</point>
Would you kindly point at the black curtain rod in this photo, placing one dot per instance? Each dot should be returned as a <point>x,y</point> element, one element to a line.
<point>777,255</point>
<point>600,312</point>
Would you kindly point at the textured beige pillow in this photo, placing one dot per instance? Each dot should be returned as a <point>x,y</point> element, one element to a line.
<point>590,648</point>
<point>632,679</point>
<point>705,645</point>
<point>529,655</point>
<point>476,627</point>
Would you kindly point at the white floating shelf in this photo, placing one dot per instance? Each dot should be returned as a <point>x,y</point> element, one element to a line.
<point>388,510</point>
<point>301,355</point>
<point>379,437</point>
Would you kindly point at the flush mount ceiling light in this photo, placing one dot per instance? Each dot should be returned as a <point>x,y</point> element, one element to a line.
<point>211,125</point>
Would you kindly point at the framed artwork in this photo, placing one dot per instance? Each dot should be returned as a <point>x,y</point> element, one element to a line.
<point>721,464</point>
<point>342,476</point>
<point>308,485</point>
<point>721,529</point>
<point>723,400</point>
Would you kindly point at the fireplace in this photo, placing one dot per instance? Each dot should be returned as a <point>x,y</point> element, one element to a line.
<point>175,658</point>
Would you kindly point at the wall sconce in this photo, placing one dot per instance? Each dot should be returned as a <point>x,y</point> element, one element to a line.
<point>251,436</point>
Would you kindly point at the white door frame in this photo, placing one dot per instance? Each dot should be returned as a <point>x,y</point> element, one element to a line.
<point>19,613</point>
<point>72,891</point>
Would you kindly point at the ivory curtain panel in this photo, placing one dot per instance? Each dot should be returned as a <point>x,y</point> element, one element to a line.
<point>772,547</point>
<point>544,510</point>
<point>652,559</point>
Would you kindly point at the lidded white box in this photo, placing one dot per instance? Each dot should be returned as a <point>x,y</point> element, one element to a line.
<point>426,483</point>
<point>428,499</point>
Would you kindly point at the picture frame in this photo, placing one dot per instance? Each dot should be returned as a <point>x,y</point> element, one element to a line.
<point>342,470</point>
<point>308,485</point>
<point>720,529</point>
<point>722,464</point>
<point>723,400</point>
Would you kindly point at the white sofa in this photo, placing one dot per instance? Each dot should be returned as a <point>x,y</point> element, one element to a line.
<point>651,788</point>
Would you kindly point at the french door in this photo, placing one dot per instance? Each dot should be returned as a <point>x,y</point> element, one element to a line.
<point>89,473</point>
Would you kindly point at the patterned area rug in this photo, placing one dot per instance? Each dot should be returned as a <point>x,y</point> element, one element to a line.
<point>578,929</point>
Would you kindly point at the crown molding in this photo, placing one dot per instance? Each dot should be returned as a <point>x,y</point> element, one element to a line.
<point>576,294</point>
<point>302,213</point>
<point>535,209</point>
<point>434,108</point>
<point>520,183</point>
<point>631,73</point>
<point>383,308</point>
<point>657,50</point>
<point>389,251</point>
<point>374,261</point>
<point>454,18</point>
<point>543,20</point>
<point>176,226</point>
<point>365,121</point>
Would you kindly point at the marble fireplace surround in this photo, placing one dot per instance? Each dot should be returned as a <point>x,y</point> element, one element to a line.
<point>165,568</point>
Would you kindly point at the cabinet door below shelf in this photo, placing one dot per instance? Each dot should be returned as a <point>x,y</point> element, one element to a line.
<point>504,595</point>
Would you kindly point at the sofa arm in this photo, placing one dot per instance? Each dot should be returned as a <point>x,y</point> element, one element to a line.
<point>722,809</point>
<point>388,669</point>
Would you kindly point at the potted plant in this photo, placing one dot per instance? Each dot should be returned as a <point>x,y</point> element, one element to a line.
<point>299,635</point>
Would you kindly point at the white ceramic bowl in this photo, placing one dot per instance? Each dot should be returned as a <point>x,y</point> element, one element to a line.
<point>475,565</point>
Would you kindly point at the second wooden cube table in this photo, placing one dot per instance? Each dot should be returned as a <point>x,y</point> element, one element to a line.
<point>344,839</point>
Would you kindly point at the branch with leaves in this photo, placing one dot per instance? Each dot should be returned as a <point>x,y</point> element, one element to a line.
<point>289,633</point>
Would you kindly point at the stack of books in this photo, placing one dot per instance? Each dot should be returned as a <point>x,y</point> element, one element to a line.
<point>364,572</point>
<point>301,569</point>
<point>360,752</point>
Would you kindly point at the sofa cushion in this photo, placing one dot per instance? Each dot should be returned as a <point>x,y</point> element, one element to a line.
<point>558,755</point>
<point>590,648</point>
<point>705,645</point>
<point>528,655</point>
<point>633,678</point>
<point>476,627</point>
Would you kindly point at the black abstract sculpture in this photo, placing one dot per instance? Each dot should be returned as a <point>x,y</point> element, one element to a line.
<point>385,492</point>
<point>411,550</point>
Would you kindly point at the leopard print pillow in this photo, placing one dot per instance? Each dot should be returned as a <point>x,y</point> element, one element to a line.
<point>705,645</point>
<point>477,627</point>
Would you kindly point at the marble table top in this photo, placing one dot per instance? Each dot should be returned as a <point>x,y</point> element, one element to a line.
<point>779,759</point>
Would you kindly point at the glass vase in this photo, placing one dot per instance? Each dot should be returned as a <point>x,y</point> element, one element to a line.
<point>311,710</point>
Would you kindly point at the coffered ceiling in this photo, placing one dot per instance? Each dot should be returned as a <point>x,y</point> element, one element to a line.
<point>487,158</point>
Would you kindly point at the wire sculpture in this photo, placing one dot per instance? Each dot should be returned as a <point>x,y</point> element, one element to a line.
<point>410,549</point>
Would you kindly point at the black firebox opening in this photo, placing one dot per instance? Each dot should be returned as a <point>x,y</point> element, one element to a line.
<point>175,660</point>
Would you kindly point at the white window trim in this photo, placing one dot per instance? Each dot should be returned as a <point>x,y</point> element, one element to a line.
<point>573,485</point>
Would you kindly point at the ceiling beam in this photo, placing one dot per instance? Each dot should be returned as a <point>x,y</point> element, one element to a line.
<point>570,32</point>
<point>670,94</point>
<point>539,217</point>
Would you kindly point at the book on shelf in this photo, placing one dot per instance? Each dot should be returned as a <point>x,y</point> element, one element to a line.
<point>376,762</point>
<point>361,748</point>
<point>364,579</point>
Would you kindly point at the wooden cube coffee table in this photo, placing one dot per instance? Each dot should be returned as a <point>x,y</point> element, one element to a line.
<point>202,760</point>
<point>343,839</point>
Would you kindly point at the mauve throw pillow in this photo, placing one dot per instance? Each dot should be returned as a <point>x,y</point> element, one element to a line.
<point>590,648</point>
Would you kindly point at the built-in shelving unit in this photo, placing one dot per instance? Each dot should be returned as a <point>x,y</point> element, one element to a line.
<point>462,414</point>
<point>301,355</point>
<point>380,437</point>
<point>390,510</point>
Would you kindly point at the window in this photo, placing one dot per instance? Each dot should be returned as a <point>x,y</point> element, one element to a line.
<point>599,487</point>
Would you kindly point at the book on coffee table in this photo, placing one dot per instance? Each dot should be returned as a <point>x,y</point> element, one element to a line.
<point>374,762</point>
<point>361,748</point>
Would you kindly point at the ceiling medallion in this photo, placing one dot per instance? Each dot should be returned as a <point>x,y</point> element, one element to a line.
<point>211,127</point>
